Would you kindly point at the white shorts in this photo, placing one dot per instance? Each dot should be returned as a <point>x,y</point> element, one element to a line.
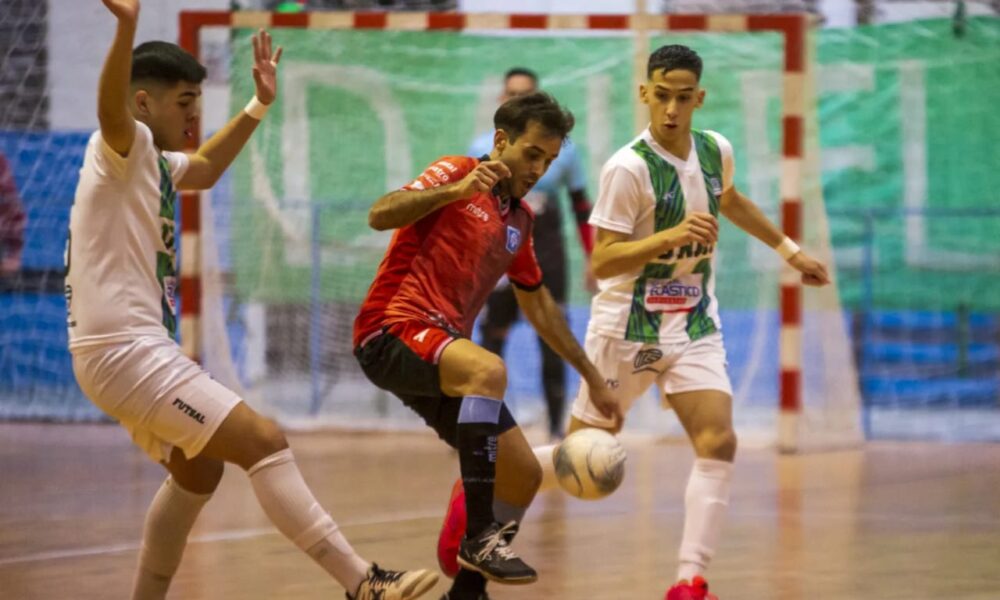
<point>632,367</point>
<point>163,398</point>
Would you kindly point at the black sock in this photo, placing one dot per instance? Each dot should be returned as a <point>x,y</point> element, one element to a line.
<point>477,455</point>
<point>468,584</point>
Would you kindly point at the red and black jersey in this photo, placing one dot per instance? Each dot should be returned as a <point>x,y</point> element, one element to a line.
<point>441,269</point>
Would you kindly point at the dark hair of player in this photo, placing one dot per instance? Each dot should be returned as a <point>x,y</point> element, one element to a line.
<point>674,56</point>
<point>515,71</point>
<point>514,115</point>
<point>165,63</point>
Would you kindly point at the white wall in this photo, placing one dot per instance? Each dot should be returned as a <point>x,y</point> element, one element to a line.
<point>80,32</point>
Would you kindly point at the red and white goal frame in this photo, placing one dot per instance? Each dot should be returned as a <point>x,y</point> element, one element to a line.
<point>793,28</point>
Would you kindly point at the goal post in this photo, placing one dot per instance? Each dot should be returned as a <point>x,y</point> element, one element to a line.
<point>420,84</point>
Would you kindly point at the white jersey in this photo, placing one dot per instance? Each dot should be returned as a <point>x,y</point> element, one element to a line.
<point>120,259</point>
<point>645,189</point>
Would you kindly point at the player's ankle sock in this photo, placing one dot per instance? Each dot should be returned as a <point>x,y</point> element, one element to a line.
<point>505,512</point>
<point>478,421</point>
<point>467,584</point>
<point>706,502</point>
<point>288,502</point>
<point>544,456</point>
<point>170,517</point>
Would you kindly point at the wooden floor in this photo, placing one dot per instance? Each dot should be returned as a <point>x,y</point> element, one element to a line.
<point>896,520</point>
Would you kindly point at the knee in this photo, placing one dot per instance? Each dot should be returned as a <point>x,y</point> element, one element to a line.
<point>210,474</point>
<point>266,438</point>
<point>489,378</point>
<point>716,443</point>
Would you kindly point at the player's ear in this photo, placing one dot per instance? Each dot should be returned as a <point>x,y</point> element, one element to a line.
<point>141,100</point>
<point>644,93</point>
<point>701,98</point>
<point>500,139</point>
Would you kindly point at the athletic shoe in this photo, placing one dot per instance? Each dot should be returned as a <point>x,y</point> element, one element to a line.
<point>452,531</point>
<point>490,554</point>
<point>394,585</point>
<point>696,590</point>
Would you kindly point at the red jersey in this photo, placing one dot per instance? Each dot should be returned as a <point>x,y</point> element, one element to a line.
<point>441,269</point>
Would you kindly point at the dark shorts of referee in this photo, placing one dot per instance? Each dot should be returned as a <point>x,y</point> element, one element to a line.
<point>403,359</point>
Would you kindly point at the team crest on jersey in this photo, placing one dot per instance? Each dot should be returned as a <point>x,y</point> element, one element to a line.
<point>716,186</point>
<point>513,239</point>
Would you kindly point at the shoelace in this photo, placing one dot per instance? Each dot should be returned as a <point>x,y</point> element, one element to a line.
<point>383,578</point>
<point>497,542</point>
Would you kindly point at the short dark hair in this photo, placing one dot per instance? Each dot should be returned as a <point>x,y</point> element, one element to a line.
<point>674,56</point>
<point>514,115</point>
<point>524,71</point>
<point>165,63</point>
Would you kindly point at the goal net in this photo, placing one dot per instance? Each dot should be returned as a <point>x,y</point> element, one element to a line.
<point>367,100</point>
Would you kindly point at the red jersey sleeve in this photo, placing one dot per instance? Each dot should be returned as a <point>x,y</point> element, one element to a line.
<point>524,272</point>
<point>445,170</point>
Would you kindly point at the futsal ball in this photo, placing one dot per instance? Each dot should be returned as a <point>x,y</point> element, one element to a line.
<point>590,463</point>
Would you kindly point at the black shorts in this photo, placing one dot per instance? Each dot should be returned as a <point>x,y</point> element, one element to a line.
<point>392,365</point>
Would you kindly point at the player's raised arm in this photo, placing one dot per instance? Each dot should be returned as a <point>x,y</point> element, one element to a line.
<point>216,154</point>
<point>747,216</point>
<point>403,207</point>
<point>117,124</point>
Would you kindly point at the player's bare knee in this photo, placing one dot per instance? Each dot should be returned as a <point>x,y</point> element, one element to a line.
<point>264,439</point>
<point>489,378</point>
<point>718,444</point>
<point>200,475</point>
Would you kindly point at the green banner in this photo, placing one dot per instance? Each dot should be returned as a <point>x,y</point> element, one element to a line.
<point>906,127</point>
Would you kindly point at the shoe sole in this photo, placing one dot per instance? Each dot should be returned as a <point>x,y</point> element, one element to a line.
<point>508,581</point>
<point>420,586</point>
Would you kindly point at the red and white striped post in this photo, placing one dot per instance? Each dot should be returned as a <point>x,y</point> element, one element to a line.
<point>791,26</point>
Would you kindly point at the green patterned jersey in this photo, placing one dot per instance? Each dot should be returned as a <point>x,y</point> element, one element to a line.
<point>645,189</point>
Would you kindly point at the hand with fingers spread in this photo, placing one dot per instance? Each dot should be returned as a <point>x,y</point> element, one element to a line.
<point>697,227</point>
<point>813,271</point>
<point>265,67</point>
<point>124,10</point>
<point>483,178</point>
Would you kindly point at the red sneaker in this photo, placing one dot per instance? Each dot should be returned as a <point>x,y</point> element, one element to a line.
<point>696,590</point>
<point>452,531</point>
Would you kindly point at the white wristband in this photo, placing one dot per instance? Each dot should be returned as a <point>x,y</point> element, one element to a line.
<point>256,109</point>
<point>787,248</point>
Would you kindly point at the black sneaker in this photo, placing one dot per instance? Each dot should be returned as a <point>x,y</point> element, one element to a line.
<point>394,585</point>
<point>489,553</point>
<point>483,596</point>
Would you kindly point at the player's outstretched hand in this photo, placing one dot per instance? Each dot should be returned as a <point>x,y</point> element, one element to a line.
<point>484,177</point>
<point>697,227</point>
<point>605,401</point>
<point>265,67</point>
<point>124,10</point>
<point>813,272</point>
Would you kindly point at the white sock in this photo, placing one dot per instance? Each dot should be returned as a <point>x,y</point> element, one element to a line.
<point>169,519</point>
<point>544,456</point>
<point>290,505</point>
<point>706,502</point>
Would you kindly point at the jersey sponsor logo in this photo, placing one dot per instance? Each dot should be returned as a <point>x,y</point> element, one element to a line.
<point>692,250</point>
<point>422,335</point>
<point>478,211</point>
<point>449,166</point>
<point>187,409</point>
<point>440,173</point>
<point>513,239</point>
<point>645,358</point>
<point>673,295</point>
